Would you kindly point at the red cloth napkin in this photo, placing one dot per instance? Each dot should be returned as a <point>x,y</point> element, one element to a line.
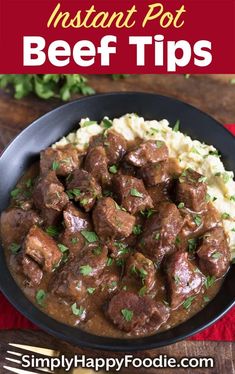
<point>224,329</point>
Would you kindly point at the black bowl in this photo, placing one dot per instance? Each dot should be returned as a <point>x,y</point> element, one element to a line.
<point>52,126</point>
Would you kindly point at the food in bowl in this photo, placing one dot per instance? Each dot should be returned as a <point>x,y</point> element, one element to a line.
<point>124,228</point>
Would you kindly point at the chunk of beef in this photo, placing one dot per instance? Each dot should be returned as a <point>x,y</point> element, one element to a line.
<point>142,268</point>
<point>75,220</point>
<point>110,221</point>
<point>32,271</point>
<point>109,280</point>
<point>42,249</point>
<point>160,232</point>
<point>191,190</point>
<point>132,313</point>
<point>73,241</point>
<point>86,186</point>
<point>214,253</point>
<point>131,193</point>
<point>153,174</point>
<point>63,160</point>
<point>15,224</point>
<point>96,163</point>
<point>49,193</point>
<point>80,272</point>
<point>147,152</point>
<point>184,279</point>
<point>161,192</point>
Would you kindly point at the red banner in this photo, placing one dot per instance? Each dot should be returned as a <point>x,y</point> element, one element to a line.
<point>117,36</point>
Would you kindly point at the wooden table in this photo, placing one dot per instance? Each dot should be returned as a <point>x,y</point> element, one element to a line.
<point>212,94</point>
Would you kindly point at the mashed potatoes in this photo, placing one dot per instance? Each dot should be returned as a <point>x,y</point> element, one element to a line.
<point>190,153</point>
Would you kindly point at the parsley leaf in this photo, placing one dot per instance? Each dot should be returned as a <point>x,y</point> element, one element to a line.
<point>127,314</point>
<point>77,311</point>
<point>197,219</point>
<point>176,126</point>
<point>15,192</point>
<point>85,270</point>
<point>15,248</point>
<point>90,236</point>
<point>137,230</point>
<point>209,281</point>
<point>55,165</point>
<point>63,248</point>
<point>52,231</point>
<point>188,302</point>
<point>40,297</point>
<point>90,290</point>
<point>113,169</point>
<point>181,205</point>
<point>134,192</point>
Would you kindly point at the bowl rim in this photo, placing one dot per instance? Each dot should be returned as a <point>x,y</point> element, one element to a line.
<point>107,343</point>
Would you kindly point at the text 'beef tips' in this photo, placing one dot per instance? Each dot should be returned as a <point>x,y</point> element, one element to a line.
<point>213,253</point>
<point>160,232</point>
<point>62,160</point>
<point>110,221</point>
<point>133,313</point>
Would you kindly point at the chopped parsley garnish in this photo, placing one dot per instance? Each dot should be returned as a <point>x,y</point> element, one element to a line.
<point>109,261</point>
<point>137,230</point>
<point>216,255</point>
<point>88,123</point>
<point>15,248</point>
<point>52,231</point>
<point>77,311</point>
<point>73,193</point>
<point>107,123</point>
<point>136,193</point>
<point>192,245</point>
<point>55,165</point>
<point>15,192</point>
<point>90,290</point>
<point>176,126</point>
<point>226,177</point>
<point>113,169</point>
<point>29,183</point>
<point>143,291</point>
<point>206,299</point>
<point>157,236</point>
<point>202,179</point>
<point>209,281</point>
<point>63,248</point>
<point>85,270</point>
<point>232,198</point>
<point>143,273</point>
<point>214,153</point>
<point>74,240</point>
<point>188,302</point>
<point>127,314</point>
<point>177,240</point>
<point>147,213</point>
<point>113,284</point>
<point>90,236</point>
<point>225,216</point>
<point>84,202</point>
<point>159,143</point>
<point>181,205</point>
<point>40,297</point>
<point>176,279</point>
<point>97,251</point>
<point>197,219</point>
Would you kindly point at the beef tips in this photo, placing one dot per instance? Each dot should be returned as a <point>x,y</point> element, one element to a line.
<point>132,313</point>
<point>62,160</point>
<point>214,253</point>
<point>15,224</point>
<point>153,174</point>
<point>32,271</point>
<point>191,190</point>
<point>160,232</point>
<point>151,151</point>
<point>184,279</point>
<point>131,193</point>
<point>42,249</point>
<point>143,269</point>
<point>96,163</point>
<point>86,188</point>
<point>80,272</point>
<point>110,220</point>
<point>75,220</point>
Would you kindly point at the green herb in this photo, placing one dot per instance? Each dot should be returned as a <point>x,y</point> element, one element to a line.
<point>209,281</point>
<point>107,123</point>
<point>154,130</point>
<point>225,216</point>
<point>15,248</point>
<point>134,270</point>
<point>137,230</point>
<point>52,231</point>
<point>84,202</point>
<point>143,273</point>
<point>143,291</point>
<point>46,86</point>
<point>197,219</point>
<point>157,236</point>
<point>202,179</point>
<point>113,284</point>
<point>181,205</point>
<point>226,177</point>
<point>216,255</point>
<point>192,245</point>
<point>124,288</point>
<point>206,299</point>
<point>77,311</point>
<point>109,261</point>
<point>232,198</point>
<point>63,248</point>
<point>74,192</point>
<point>136,193</point>
<point>188,302</point>
<point>127,314</point>
<point>113,169</point>
<point>55,165</point>
<point>15,192</point>
<point>159,143</point>
<point>214,153</point>
<point>97,251</point>
<point>176,126</point>
<point>85,270</point>
<point>40,297</point>
<point>208,198</point>
<point>29,183</point>
<point>88,123</point>
<point>176,279</point>
<point>90,290</point>
<point>90,236</point>
<point>74,240</point>
<point>177,240</point>
<point>120,262</point>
